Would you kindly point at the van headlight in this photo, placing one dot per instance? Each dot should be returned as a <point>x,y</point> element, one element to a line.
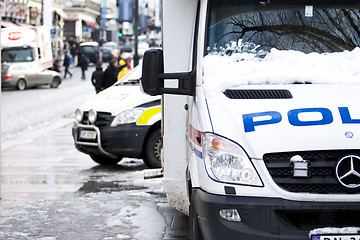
<point>128,116</point>
<point>226,161</point>
<point>92,116</point>
<point>79,115</point>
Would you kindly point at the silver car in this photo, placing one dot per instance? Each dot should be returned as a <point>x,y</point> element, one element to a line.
<point>24,73</point>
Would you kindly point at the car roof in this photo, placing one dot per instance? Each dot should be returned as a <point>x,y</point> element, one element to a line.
<point>89,44</point>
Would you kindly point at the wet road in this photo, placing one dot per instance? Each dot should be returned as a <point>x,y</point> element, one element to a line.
<point>51,191</point>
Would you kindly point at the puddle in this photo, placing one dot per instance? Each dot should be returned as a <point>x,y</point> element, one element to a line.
<point>94,186</point>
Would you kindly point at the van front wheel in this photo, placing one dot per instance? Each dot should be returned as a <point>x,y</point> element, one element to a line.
<point>195,232</point>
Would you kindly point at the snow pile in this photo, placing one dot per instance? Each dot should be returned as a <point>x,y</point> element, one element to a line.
<point>333,230</point>
<point>222,72</point>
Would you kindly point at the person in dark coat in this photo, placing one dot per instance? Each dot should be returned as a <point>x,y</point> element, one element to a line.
<point>84,64</point>
<point>97,78</point>
<point>73,51</point>
<point>66,64</point>
<point>57,65</point>
<point>111,72</point>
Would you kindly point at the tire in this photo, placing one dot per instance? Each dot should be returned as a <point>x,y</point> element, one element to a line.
<point>194,227</point>
<point>152,151</point>
<point>21,84</point>
<point>105,160</point>
<point>55,82</point>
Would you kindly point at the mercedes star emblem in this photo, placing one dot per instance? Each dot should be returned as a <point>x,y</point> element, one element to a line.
<point>348,171</point>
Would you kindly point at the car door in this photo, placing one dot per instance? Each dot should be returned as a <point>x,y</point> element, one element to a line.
<point>43,76</point>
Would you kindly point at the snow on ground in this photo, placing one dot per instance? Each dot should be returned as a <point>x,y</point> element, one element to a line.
<point>222,72</point>
<point>108,214</point>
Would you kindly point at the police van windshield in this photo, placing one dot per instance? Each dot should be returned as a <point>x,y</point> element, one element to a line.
<point>261,25</point>
<point>132,78</point>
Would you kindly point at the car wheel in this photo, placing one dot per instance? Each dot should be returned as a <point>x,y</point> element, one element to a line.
<point>21,84</point>
<point>105,160</point>
<point>55,82</point>
<point>195,232</point>
<point>152,152</point>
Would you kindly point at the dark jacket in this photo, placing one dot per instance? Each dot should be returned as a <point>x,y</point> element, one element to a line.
<point>110,76</point>
<point>97,78</point>
<point>66,61</point>
<point>83,62</point>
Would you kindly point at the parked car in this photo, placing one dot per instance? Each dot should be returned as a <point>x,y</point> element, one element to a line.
<point>119,122</point>
<point>91,51</point>
<point>143,45</point>
<point>109,50</point>
<point>28,75</point>
<point>107,55</point>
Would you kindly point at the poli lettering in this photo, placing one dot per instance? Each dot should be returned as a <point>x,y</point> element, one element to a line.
<point>274,117</point>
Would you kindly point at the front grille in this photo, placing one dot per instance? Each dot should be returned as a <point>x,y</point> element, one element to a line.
<point>258,94</point>
<point>322,178</point>
<point>103,119</point>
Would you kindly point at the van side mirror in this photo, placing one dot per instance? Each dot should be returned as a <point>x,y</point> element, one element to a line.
<point>154,80</point>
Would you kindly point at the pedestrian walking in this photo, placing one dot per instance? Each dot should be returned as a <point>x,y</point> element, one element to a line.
<point>97,78</point>
<point>73,51</point>
<point>110,75</point>
<point>57,65</point>
<point>84,64</point>
<point>66,64</point>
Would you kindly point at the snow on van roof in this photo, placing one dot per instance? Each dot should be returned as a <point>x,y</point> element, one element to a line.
<point>223,72</point>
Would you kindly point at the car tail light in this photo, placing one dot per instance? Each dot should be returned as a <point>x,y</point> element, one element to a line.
<point>8,76</point>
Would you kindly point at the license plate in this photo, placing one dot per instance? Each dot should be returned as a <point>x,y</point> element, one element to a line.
<point>336,237</point>
<point>85,134</point>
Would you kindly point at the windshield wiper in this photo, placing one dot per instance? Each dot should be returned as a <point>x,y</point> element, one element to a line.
<point>131,82</point>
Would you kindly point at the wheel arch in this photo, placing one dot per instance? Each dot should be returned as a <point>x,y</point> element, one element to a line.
<point>153,128</point>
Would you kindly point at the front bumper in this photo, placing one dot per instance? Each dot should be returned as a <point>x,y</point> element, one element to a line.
<point>122,141</point>
<point>270,218</point>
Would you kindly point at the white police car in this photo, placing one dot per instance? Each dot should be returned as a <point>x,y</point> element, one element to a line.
<point>120,121</point>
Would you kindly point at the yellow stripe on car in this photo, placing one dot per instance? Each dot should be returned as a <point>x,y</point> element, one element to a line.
<point>147,114</point>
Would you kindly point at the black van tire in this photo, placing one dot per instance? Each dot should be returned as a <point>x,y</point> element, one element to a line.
<point>152,150</point>
<point>105,160</point>
<point>194,227</point>
<point>21,84</point>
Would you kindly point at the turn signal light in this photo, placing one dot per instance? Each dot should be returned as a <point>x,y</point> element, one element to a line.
<point>217,143</point>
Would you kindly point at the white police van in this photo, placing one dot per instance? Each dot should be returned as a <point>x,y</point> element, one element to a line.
<point>119,122</point>
<point>262,99</point>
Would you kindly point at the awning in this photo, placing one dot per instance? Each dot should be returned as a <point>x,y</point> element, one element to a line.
<point>90,24</point>
<point>8,24</point>
<point>60,12</point>
<point>25,24</point>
